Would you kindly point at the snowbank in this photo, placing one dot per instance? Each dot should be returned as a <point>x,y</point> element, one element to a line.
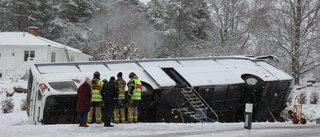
<point>7,86</point>
<point>307,88</point>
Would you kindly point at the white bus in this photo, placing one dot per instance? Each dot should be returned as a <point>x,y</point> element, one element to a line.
<point>174,90</point>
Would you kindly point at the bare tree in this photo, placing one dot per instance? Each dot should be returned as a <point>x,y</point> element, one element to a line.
<point>117,52</point>
<point>293,30</point>
<point>233,23</point>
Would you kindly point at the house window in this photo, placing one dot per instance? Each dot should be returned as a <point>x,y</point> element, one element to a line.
<point>53,57</point>
<point>72,58</point>
<point>29,54</point>
<point>0,75</point>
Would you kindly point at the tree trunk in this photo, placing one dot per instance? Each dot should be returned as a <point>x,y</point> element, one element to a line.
<point>295,70</point>
<point>296,44</point>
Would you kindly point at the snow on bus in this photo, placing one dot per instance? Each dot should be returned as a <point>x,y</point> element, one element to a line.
<point>174,90</point>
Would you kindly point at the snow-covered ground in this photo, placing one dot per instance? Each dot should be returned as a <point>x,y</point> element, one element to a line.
<point>310,111</point>
<point>15,123</point>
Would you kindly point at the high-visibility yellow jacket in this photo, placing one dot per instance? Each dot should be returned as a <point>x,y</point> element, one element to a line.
<point>121,86</point>
<point>96,96</point>
<point>137,88</point>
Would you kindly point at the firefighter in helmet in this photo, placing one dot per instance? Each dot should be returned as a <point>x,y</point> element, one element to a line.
<point>96,98</point>
<point>134,92</point>
<point>119,109</point>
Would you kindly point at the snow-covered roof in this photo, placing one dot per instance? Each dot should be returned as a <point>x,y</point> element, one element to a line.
<point>196,71</point>
<point>27,39</point>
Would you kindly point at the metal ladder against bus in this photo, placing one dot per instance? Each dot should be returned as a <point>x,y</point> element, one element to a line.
<point>198,104</point>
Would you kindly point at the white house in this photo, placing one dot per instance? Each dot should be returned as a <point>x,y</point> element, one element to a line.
<point>20,49</point>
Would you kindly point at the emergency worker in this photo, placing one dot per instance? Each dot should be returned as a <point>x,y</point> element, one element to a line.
<point>134,91</point>
<point>109,94</point>
<point>121,100</point>
<point>96,98</point>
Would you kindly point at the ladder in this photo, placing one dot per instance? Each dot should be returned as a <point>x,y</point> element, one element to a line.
<point>199,106</point>
<point>67,53</point>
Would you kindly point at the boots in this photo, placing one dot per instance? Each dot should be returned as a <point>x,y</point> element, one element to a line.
<point>108,125</point>
<point>83,125</point>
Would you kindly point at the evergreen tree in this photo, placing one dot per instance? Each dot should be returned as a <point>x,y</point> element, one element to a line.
<point>4,16</point>
<point>68,23</point>
<point>76,11</point>
<point>183,24</point>
<point>16,18</point>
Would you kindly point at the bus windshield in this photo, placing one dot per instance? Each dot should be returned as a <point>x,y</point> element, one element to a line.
<point>66,86</point>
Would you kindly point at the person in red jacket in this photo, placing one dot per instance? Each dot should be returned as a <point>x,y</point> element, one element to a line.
<point>84,101</point>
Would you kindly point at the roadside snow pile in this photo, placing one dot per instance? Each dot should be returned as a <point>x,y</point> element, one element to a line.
<point>309,91</point>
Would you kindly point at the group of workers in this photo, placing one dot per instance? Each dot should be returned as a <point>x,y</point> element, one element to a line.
<point>111,95</point>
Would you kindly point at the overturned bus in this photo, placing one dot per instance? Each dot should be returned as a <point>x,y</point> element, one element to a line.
<point>174,90</point>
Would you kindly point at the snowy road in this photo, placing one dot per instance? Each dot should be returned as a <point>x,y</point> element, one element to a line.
<point>290,130</point>
<point>165,130</point>
<point>14,124</point>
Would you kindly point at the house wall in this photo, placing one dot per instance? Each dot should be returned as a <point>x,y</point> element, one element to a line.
<point>79,56</point>
<point>41,52</point>
<point>17,52</point>
<point>61,55</point>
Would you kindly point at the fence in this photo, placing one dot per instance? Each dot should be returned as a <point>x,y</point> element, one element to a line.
<point>8,70</point>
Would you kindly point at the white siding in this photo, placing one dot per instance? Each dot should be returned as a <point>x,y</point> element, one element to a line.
<point>79,56</point>
<point>41,52</point>
<point>18,51</point>
<point>14,45</point>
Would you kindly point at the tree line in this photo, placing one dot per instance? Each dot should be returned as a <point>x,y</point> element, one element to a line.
<point>129,29</point>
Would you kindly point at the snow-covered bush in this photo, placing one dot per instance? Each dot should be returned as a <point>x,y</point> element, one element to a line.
<point>301,96</point>
<point>23,106</point>
<point>7,105</point>
<point>314,98</point>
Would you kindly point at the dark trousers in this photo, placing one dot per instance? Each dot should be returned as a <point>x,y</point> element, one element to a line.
<point>83,117</point>
<point>108,112</point>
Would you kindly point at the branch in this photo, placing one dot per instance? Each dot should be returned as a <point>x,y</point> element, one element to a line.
<point>310,69</point>
<point>305,61</point>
